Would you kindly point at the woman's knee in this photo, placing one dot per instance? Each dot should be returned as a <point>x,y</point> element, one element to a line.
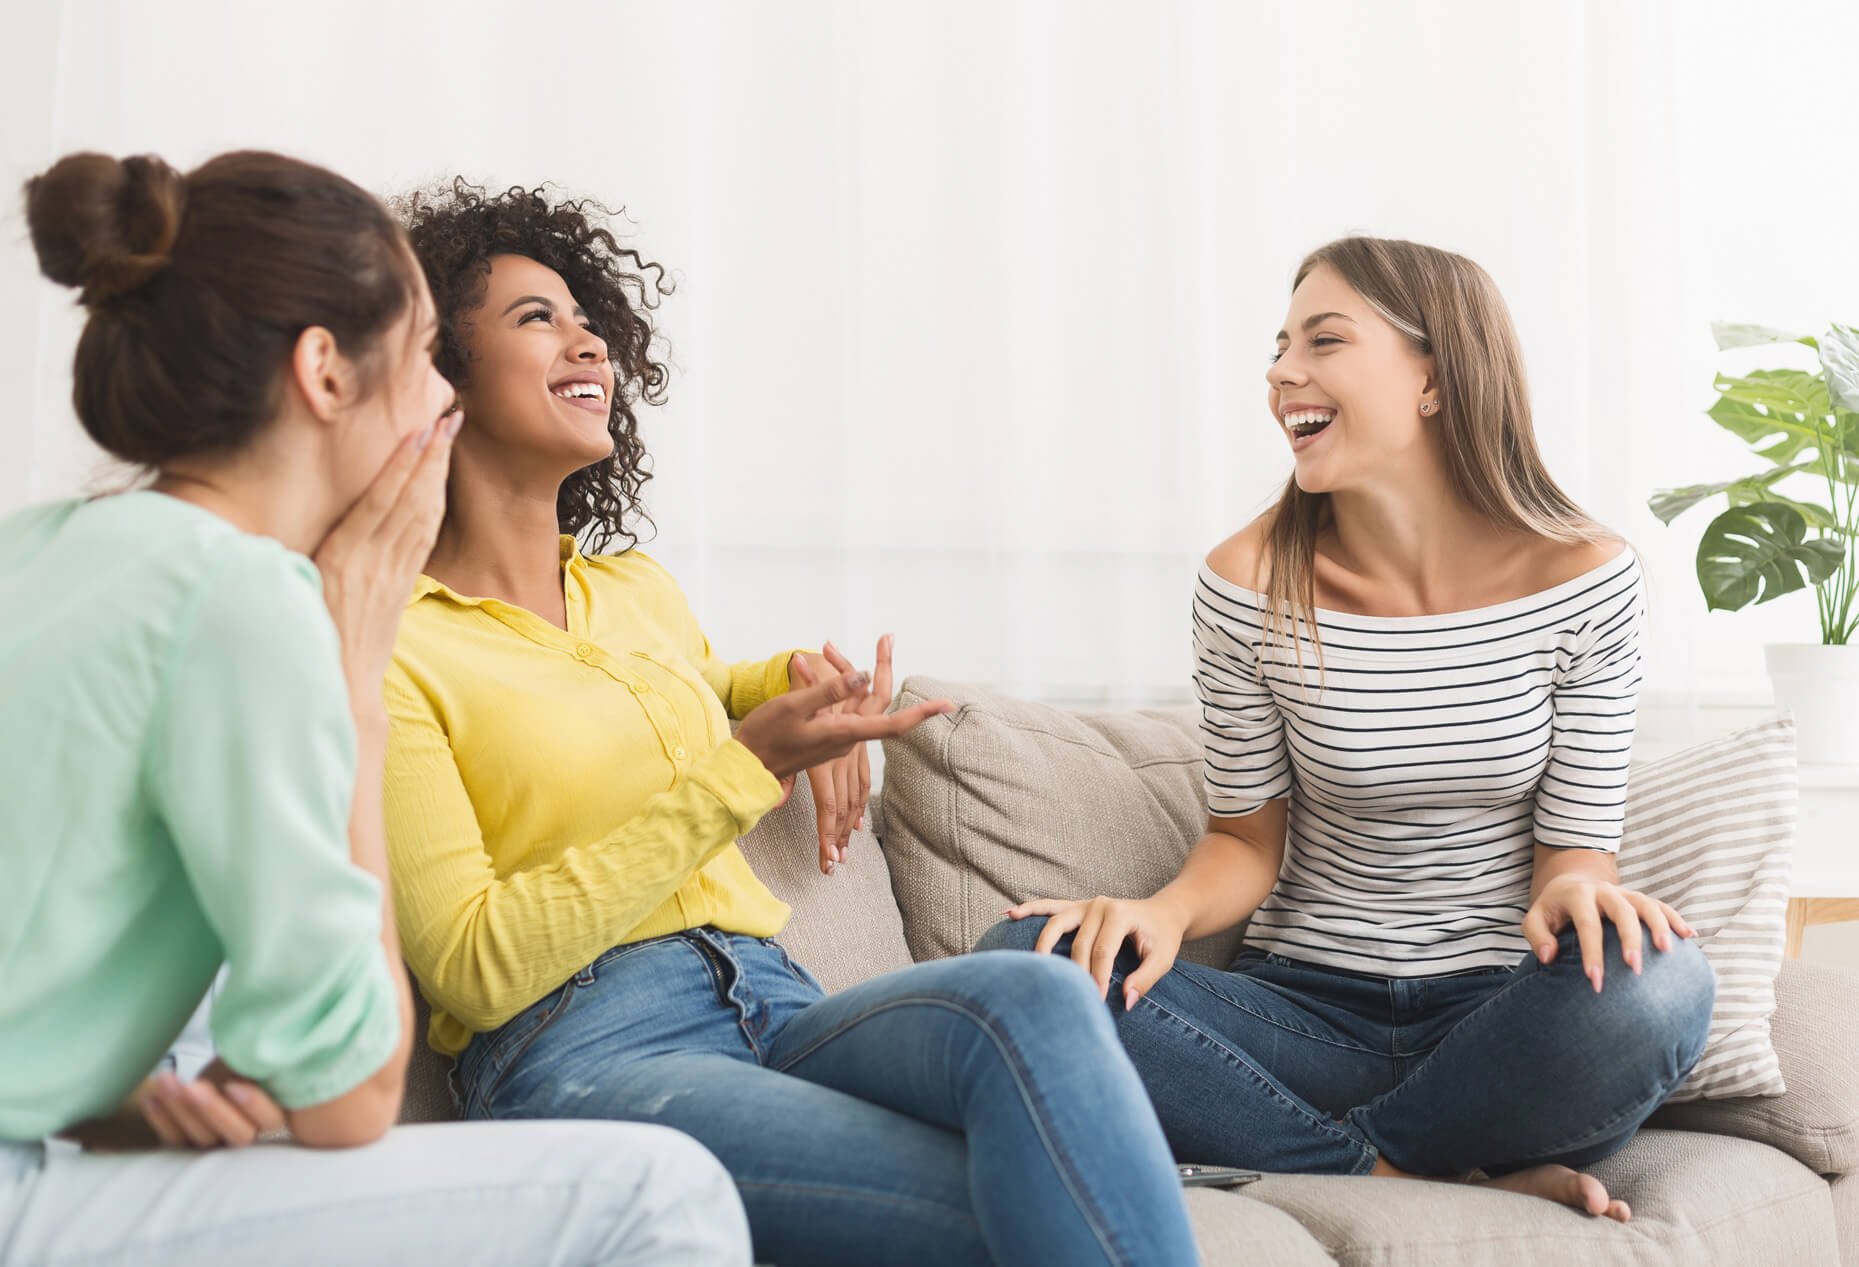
<point>1669,999</point>
<point>1012,934</point>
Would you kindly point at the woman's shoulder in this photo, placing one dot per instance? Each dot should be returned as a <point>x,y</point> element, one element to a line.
<point>1244,559</point>
<point>1556,563</point>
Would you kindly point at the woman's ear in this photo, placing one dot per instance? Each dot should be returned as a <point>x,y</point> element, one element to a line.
<point>321,375</point>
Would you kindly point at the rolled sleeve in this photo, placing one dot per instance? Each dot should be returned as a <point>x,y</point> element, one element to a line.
<point>253,774</point>
<point>1247,762</point>
<point>1581,800</point>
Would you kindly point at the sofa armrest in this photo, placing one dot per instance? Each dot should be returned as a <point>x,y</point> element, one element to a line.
<point>1816,1034</point>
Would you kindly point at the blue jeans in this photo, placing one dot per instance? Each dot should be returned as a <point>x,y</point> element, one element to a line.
<point>971,1110</point>
<point>1288,1066</point>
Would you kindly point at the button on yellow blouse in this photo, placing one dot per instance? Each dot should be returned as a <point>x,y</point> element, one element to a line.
<point>552,794</point>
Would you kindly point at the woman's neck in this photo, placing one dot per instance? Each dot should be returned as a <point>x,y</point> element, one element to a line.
<point>263,489</point>
<point>501,541</point>
<point>1414,534</point>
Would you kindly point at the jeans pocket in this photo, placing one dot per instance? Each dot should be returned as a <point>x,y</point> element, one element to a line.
<point>799,973</point>
<point>508,1045</point>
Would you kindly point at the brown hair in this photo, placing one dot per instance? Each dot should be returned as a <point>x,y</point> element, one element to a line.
<point>199,285</point>
<point>1448,308</point>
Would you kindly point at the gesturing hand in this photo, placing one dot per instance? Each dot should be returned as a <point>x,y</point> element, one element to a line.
<point>842,786</point>
<point>1103,924</point>
<point>371,557</point>
<point>1584,901</point>
<point>804,729</point>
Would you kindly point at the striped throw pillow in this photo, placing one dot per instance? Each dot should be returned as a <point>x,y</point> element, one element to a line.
<point>1711,831</point>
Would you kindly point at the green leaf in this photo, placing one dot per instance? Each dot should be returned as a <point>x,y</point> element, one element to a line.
<point>1796,393</point>
<point>1785,435</point>
<point>1735,334</point>
<point>1669,503</point>
<point>1817,516</point>
<point>1752,554</point>
<point>1839,359</point>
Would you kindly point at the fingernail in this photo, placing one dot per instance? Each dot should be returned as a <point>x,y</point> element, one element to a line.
<point>829,868</point>
<point>859,680</point>
<point>457,423</point>
<point>1633,961</point>
<point>426,434</point>
<point>1543,953</point>
<point>240,1093</point>
<point>1129,999</point>
<point>1594,975</point>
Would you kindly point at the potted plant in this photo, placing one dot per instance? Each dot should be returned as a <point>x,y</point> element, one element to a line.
<point>1805,427</point>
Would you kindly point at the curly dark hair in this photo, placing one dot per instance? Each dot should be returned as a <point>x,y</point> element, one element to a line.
<point>457,227</point>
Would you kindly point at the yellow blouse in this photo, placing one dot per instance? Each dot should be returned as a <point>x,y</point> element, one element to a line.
<point>554,793</point>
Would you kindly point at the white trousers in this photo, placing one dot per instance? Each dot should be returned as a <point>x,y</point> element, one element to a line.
<point>552,1194</point>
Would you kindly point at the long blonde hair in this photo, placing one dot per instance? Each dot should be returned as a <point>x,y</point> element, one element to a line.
<point>1448,308</point>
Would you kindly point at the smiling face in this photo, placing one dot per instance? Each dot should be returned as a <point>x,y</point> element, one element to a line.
<point>541,387</point>
<point>1346,388</point>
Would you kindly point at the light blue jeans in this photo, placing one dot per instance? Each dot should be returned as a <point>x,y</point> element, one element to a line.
<point>1286,1066</point>
<point>971,1110</point>
<point>559,1193</point>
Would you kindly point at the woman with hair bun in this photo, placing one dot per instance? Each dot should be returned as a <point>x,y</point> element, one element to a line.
<point>192,733</point>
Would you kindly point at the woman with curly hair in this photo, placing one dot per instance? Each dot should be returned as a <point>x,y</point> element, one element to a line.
<point>564,798</point>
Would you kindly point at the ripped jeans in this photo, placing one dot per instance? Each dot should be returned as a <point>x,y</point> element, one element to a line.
<point>971,1110</point>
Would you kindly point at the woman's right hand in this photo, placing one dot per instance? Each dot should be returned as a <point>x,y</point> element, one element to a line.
<point>798,730</point>
<point>1100,926</point>
<point>374,553</point>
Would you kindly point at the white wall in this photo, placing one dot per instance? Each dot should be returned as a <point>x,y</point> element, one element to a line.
<point>975,297</point>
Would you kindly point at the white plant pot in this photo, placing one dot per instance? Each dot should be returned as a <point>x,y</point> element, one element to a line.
<point>1820,686</point>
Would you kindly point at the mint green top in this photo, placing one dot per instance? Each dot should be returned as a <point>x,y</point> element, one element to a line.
<point>177,763</point>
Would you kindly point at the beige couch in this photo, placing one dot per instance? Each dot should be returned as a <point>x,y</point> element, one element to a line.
<point>1006,800</point>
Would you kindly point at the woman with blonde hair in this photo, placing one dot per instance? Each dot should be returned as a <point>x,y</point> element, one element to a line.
<point>1417,675</point>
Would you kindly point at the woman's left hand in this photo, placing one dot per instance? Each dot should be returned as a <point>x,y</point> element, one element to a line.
<point>1585,901</point>
<point>842,788</point>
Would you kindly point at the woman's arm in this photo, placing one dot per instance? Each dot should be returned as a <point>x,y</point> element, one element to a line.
<point>484,945</point>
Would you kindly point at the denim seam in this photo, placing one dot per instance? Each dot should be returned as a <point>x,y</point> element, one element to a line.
<point>1276,1023</point>
<point>1328,1127</point>
<point>1015,1064</point>
<point>893,1199</point>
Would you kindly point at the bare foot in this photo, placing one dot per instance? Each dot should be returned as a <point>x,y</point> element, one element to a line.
<point>1570,1187</point>
<point>1555,1183</point>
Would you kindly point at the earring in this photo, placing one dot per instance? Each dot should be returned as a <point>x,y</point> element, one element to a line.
<point>1426,406</point>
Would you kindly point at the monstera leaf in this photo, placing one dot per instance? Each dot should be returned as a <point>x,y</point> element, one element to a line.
<point>1840,361</point>
<point>1737,334</point>
<point>1670,503</point>
<point>1751,554</point>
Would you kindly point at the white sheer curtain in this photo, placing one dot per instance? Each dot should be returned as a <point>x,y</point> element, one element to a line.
<point>974,299</point>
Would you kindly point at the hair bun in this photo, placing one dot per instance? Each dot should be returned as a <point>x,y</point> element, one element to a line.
<point>103,224</point>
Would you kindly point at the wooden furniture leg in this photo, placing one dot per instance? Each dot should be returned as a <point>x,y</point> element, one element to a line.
<point>1804,912</point>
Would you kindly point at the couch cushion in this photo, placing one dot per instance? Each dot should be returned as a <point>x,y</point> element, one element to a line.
<point>1230,1229</point>
<point>1711,831</point>
<point>1005,800</point>
<point>845,926</point>
<point>1695,1200</point>
<point>1816,1033</point>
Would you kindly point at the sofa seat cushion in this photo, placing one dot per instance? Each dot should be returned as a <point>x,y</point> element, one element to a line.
<point>1816,1033</point>
<point>1695,1199</point>
<point>1231,1230</point>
